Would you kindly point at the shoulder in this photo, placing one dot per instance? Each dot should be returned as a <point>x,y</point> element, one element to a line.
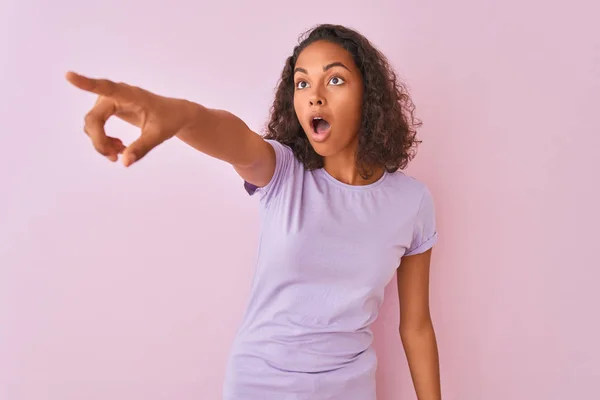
<point>408,186</point>
<point>286,167</point>
<point>419,205</point>
<point>278,146</point>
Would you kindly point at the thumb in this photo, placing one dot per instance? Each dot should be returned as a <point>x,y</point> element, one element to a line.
<point>139,148</point>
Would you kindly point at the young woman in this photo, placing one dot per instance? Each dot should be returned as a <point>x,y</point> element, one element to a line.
<point>338,217</point>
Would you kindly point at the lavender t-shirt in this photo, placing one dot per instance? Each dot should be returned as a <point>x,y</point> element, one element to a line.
<point>327,250</point>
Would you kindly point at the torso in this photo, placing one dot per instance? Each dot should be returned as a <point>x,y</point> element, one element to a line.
<point>327,251</point>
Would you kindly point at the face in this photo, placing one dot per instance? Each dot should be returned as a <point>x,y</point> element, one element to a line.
<point>328,98</point>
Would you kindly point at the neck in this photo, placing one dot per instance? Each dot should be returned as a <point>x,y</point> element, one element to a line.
<point>342,166</point>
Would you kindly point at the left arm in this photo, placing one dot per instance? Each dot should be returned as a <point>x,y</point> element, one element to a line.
<point>416,327</point>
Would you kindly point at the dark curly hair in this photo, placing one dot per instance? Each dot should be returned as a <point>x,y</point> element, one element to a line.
<point>387,135</point>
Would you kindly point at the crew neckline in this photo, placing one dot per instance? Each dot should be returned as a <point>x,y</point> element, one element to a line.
<point>344,185</point>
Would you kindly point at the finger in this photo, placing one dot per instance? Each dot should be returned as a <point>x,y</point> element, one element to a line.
<point>117,148</point>
<point>117,144</point>
<point>102,87</point>
<point>139,148</point>
<point>95,120</point>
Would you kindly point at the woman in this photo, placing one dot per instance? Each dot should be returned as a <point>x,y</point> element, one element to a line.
<point>338,217</point>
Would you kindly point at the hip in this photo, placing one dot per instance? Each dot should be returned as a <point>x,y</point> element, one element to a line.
<point>251,375</point>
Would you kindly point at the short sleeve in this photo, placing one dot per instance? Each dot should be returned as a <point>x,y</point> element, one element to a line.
<point>425,232</point>
<point>284,157</point>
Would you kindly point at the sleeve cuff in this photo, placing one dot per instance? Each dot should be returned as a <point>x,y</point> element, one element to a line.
<point>429,243</point>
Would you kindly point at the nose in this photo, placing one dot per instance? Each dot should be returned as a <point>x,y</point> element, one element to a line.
<point>316,99</point>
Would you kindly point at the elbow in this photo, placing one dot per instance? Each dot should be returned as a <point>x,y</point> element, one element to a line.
<point>410,329</point>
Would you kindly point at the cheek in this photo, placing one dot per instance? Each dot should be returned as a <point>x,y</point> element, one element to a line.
<point>350,109</point>
<point>298,106</point>
<point>349,98</point>
<point>357,110</point>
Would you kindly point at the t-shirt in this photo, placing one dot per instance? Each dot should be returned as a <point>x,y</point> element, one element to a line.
<point>326,252</point>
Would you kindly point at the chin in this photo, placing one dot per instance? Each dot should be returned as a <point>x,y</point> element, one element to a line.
<point>332,145</point>
<point>324,149</point>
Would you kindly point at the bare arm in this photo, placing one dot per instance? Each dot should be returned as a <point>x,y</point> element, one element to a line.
<point>217,133</point>
<point>416,327</point>
<point>225,136</point>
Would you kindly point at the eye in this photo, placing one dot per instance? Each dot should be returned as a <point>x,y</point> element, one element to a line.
<point>336,81</point>
<point>299,85</point>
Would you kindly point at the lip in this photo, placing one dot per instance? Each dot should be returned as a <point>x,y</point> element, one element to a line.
<point>319,137</point>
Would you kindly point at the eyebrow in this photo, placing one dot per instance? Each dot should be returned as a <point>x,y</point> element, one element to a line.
<point>325,68</point>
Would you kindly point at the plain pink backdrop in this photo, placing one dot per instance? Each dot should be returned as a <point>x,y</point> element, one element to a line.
<point>129,284</point>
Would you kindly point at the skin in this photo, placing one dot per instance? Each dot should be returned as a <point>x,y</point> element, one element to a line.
<point>327,82</point>
<point>416,327</point>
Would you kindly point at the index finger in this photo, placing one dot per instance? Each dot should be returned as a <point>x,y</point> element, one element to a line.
<point>102,87</point>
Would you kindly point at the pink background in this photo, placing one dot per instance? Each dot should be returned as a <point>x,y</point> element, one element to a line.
<point>129,284</point>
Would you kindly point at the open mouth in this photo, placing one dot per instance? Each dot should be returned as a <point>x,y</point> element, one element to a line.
<point>319,125</point>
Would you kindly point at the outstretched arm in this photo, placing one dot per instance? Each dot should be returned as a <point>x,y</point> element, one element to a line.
<point>416,327</point>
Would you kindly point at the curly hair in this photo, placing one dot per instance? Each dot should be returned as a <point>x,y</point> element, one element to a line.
<point>387,135</point>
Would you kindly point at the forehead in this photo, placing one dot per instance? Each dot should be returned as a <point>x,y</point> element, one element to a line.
<point>322,53</point>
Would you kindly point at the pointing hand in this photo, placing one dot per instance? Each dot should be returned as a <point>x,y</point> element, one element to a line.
<point>159,118</point>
